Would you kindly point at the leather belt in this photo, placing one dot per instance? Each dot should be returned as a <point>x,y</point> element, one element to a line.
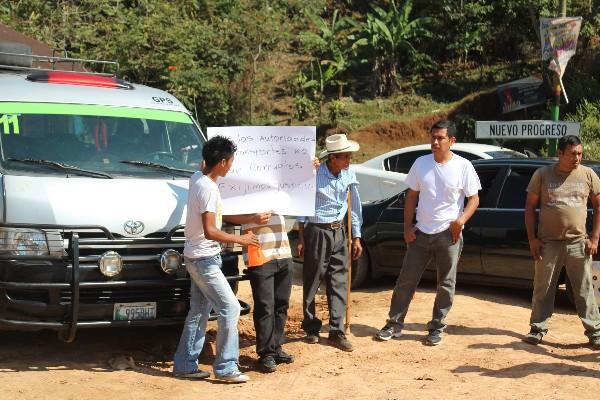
<point>330,225</point>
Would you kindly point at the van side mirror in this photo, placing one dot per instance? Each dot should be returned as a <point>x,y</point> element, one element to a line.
<point>399,201</point>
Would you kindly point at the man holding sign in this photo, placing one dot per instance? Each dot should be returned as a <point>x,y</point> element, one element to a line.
<point>271,282</point>
<point>270,276</point>
<point>273,172</point>
<point>209,287</point>
<point>323,242</point>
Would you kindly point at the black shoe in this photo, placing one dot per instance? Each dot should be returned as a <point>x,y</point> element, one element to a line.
<point>388,332</point>
<point>197,374</point>
<point>338,339</point>
<point>312,337</point>
<point>434,337</point>
<point>267,364</point>
<point>533,337</point>
<point>283,358</point>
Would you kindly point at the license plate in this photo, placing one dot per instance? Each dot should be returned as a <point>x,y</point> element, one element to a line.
<point>134,311</point>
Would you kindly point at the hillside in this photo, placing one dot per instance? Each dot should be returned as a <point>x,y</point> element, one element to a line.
<point>380,70</point>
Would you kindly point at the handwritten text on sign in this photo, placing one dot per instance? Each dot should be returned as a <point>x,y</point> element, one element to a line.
<point>272,170</point>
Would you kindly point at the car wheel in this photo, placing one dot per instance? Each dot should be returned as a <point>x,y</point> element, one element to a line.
<point>360,269</point>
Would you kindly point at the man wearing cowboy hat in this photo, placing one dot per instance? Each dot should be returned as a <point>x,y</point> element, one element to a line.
<point>323,240</point>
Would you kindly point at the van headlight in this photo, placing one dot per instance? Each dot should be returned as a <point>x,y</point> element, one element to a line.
<point>110,263</point>
<point>29,242</point>
<point>170,261</point>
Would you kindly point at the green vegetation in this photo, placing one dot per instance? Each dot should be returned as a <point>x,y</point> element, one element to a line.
<point>343,63</point>
<point>588,114</point>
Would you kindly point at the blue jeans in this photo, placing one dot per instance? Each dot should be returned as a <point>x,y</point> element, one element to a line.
<point>209,290</point>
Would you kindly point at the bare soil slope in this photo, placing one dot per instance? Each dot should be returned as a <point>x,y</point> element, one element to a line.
<point>383,137</point>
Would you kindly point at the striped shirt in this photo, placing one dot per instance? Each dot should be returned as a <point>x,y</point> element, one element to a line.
<point>331,202</point>
<point>273,238</point>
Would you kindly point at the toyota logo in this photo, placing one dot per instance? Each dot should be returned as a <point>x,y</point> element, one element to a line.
<point>133,227</point>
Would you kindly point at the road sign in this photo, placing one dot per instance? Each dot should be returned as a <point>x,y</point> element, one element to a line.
<point>525,129</point>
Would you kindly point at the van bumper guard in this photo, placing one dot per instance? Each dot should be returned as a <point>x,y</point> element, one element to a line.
<point>67,329</point>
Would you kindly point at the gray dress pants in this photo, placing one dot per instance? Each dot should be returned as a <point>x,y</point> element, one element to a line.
<point>439,249</point>
<point>325,257</point>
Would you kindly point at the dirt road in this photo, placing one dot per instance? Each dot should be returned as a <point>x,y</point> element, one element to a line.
<point>482,356</point>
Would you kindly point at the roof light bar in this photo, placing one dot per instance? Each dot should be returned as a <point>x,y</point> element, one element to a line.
<point>78,78</point>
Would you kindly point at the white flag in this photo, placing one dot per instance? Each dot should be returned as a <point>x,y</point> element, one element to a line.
<point>559,43</point>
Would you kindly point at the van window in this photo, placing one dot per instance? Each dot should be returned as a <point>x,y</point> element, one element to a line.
<point>488,177</point>
<point>100,142</point>
<point>402,162</point>
<point>467,155</point>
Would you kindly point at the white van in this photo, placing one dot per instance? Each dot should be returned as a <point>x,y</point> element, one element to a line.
<point>94,177</point>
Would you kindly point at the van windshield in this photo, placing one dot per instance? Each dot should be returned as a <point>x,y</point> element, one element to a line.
<point>111,140</point>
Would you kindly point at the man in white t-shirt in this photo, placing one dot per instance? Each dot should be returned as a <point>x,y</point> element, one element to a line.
<point>209,287</point>
<point>440,182</point>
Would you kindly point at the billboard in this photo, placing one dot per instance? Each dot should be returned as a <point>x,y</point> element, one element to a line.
<point>521,94</point>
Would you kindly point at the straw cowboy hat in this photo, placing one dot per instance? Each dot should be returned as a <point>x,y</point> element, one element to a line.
<point>339,143</point>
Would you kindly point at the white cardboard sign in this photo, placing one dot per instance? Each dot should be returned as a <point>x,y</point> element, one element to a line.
<point>559,43</point>
<point>272,170</point>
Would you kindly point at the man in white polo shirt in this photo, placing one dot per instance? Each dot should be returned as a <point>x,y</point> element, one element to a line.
<point>440,182</point>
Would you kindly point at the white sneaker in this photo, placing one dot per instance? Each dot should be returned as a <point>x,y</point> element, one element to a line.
<point>236,377</point>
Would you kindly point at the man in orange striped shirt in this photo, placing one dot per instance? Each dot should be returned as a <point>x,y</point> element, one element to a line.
<point>271,285</point>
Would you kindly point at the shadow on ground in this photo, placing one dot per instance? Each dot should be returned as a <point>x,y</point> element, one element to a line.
<point>531,368</point>
<point>151,349</point>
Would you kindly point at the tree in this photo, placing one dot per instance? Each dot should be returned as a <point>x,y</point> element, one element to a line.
<point>201,51</point>
<point>468,22</point>
<point>388,38</point>
<point>331,48</point>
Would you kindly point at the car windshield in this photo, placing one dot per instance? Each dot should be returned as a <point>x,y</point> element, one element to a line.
<point>505,154</point>
<point>83,140</point>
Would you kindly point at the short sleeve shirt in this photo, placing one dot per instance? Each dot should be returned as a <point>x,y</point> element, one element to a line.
<point>203,196</point>
<point>442,190</point>
<point>273,238</point>
<point>563,200</point>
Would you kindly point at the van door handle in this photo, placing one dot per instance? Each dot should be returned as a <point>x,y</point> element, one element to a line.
<point>389,183</point>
